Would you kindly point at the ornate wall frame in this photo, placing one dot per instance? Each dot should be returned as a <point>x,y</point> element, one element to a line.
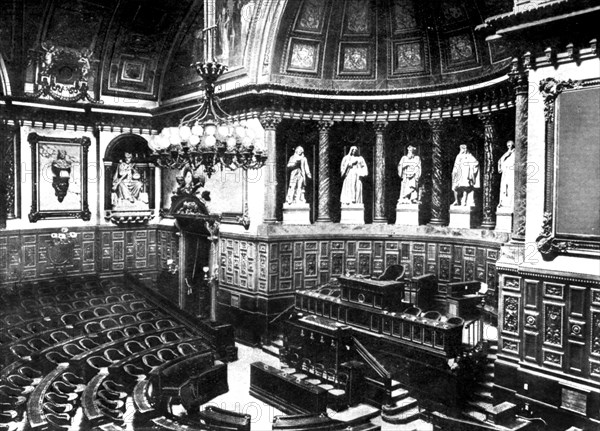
<point>555,238</point>
<point>49,176</point>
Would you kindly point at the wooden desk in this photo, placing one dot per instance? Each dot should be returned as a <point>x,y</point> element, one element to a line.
<point>283,391</point>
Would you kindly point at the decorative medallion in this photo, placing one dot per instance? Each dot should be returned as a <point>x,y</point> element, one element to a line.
<point>403,15</point>
<point>357,17</point>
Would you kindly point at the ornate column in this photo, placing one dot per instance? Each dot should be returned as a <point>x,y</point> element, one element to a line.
<point>269,123</point>
<point>379,168</point>
<point>519,78</point>
<point>489,131</point>
<point>324,178</point>
<point>7,174</point>
<point>438,200</point>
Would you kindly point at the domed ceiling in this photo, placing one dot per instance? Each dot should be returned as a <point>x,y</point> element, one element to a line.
<point>383,44</point>
<point>143,49</point>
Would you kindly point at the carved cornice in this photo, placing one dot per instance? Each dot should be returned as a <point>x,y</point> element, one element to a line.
<point>550,89</point>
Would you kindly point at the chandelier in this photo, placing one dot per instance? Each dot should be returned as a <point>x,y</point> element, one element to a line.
<point>208,136</point>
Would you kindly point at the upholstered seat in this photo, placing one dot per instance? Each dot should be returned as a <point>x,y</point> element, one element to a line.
<point>88,343</point>
<point>169,336</point>
<point>72,349</point>
<point>118,309</point>
<point>59,336</point>
<point>101,311</point>
<point>134,346</point>
<point>166,355</point>
<point>114,355</point>
<point>127,319</point>
<point>432,315</point>
<point>186,349</point>
<point>132,331</point>
<point>115,334</point>
<point>98,362</point>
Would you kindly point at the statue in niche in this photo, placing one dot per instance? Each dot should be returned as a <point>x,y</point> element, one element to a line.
<point>300,173</point>
<point>61,171</point>
<point>506,166</point>
<point>465,177</point>
<point>409,170</point>
<point>48,56</point>
<point>353,169</point>
<point>127,184</point>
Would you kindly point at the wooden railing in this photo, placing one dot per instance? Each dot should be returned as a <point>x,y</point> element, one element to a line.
<point>376,366</point>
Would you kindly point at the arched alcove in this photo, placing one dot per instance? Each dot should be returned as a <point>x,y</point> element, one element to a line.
<point>128,180</point>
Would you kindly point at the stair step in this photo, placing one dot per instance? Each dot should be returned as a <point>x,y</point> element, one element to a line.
<point>402,405</point>
<point>489,376</point>
<point>487,385</point>
<point>278,342</point>
<point>398,394</point>
<point>484,395</point>
<point>402,417</point>
<point>476,415</point>
<point>396,384</point>
<point>482,406</point>
<point>415,425</point>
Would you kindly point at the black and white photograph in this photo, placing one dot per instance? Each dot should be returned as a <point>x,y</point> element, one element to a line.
<point>302,215</point>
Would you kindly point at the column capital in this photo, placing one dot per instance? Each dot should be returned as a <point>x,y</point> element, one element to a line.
<point>518,76</point>
<point>380,126</point>
<point>324,125</point>
<point>436,124</point>
<point>269,121</point>
<point>486,118</point>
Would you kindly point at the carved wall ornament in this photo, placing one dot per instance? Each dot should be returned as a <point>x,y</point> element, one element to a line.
<point>553,333</point>
<point>552,358</point>
<point>595,368</point>
<point>62,73</point>
<point>509,345</point>
<point>596,333</point>
<point>550,89</point>
<point>511,313</point>
<point>547,245</point>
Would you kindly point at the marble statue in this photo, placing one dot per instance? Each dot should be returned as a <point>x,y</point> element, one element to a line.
<point>353,169</point>
<point>465,177</point>
<point>127,183</point>
<point>61,170</point>
<point>506,166</point>
<point>409,170</point>
<point>300,173</point>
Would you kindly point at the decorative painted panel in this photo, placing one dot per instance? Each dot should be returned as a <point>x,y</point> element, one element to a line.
<point>404,16</point>
<point>357,17</point>
<point>303,56</point>
<point>311,16</point>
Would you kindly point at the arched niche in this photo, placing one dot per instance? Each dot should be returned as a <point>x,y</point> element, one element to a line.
<point>129,179</point>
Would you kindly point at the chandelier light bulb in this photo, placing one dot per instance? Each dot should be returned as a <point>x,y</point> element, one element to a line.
<point>184,133</point>
<point>210,129</point>
<point>194,140</point>
<point>174,139</point>
<point>240,131</point>
<point>223,131</point>
<point>210,141</point>
<point>197,130</point>
<point>231,142</point>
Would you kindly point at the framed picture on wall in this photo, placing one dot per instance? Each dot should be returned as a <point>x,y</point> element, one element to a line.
<point>59,186</point>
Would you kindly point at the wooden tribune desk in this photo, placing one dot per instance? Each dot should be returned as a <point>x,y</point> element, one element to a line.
<point>283,391</point>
